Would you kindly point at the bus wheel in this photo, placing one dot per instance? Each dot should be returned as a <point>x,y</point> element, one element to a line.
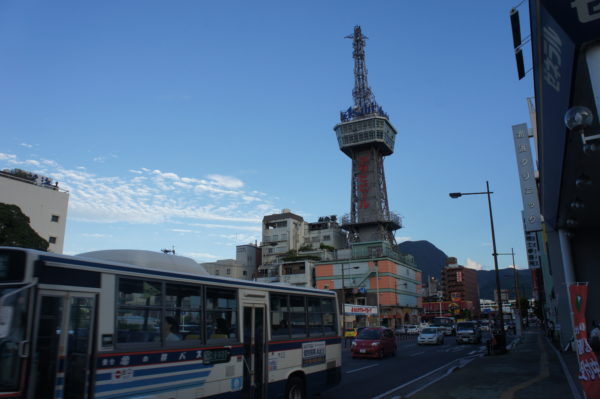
<point>295,388</point>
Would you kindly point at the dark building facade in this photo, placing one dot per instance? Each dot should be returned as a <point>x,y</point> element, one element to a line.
<point>459,283</point>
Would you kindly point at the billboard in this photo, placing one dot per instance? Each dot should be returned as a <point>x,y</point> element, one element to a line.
<point>529,193</point>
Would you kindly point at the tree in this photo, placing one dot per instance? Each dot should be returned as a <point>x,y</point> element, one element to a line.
<point>15,230</point>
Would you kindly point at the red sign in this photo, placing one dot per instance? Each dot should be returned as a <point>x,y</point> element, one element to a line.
<point>589,370</point>
<point>363,184</point>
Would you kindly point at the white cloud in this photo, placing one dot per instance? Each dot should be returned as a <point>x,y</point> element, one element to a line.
<point>10,158</point>
<point>402,239</point>
<point>26,145</point>
<point>96,235</point>
<point>200,256</point>
<point>182,231</point>
<point>150,196</point>
<point>226,181</point>
<point>471,264</point>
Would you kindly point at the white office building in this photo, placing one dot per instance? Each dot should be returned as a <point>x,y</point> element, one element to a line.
<point>41,200</point>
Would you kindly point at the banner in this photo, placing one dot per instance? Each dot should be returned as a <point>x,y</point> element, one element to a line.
<point>360,310</point>
<point>589,370</point>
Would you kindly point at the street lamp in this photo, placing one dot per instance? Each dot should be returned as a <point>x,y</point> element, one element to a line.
<point>517,287</point>
<point>344,302</point>
<point>501,337</point>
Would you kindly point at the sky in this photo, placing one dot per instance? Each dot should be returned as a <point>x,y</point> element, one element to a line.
<point>182,123</point>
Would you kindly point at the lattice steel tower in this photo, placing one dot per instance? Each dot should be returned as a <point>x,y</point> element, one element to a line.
<point>366,136</point>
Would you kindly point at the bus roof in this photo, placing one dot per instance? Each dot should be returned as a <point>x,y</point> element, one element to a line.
<point>153,263</point>
<point>148,259</point>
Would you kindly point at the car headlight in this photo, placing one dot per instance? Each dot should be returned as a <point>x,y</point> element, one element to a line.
<point>353,343</point>
<point>375,344</point>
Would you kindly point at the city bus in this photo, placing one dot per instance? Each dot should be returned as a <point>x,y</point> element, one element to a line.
<point>447,323</point>
<point>139,324</point>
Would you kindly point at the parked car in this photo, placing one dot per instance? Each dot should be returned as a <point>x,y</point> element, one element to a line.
<point>401,330</point>
<point>412,329</point>
<point>468,332</point>
<point>431,335</point>
<point>374,342</point>
<point>484,325</point>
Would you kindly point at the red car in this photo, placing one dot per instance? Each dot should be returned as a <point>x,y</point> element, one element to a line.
<point>374,342</point>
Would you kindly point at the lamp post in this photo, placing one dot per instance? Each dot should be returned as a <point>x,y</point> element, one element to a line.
<point>517,287</point>
<point>501,337</point>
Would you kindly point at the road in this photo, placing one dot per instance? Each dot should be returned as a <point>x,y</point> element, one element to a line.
<point>370,378</point>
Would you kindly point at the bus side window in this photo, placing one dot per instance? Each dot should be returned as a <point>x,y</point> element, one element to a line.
<point>298,316</point>
<point>139,311</point>
<point>327,307</point>
<point>221,316</point>
<point>183,305</point>
<point>315,317</point>
<point>280,318</point>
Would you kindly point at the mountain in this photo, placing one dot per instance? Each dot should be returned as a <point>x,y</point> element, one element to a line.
<point>486,279</point>
<point>429,258</point>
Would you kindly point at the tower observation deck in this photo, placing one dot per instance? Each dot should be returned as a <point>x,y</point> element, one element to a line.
<point>366,136</point>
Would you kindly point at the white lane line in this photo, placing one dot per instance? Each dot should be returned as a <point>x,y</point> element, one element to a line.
<point>472,352</point>
<point>362,368</point>
<point>383,395</point>
<point>415,354</point>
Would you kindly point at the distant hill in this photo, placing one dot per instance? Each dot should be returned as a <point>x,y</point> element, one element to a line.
<point>428,257</point>
<point>486,279</point>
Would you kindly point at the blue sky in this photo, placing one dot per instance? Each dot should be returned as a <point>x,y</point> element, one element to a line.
<point>182,123</point>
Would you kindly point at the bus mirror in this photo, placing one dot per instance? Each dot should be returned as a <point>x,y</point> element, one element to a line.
<point>6,313</point>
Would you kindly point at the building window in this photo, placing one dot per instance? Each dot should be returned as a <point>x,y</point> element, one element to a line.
<point>54,218</point>
<point>216,272</point>
<point>52,240</point>
<point>327,238</point>
<point>228,271</point>
<point>245,273</point>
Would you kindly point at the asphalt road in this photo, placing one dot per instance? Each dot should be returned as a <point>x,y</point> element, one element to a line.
<point>369,378</point>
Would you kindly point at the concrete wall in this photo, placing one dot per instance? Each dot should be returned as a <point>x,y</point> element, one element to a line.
<point>39,204</point>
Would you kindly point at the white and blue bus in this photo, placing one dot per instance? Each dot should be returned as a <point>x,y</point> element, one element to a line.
<point>139,324</point>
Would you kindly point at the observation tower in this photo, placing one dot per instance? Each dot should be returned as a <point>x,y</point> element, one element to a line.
<point>366,136</point>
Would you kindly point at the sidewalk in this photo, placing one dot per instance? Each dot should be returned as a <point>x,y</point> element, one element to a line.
<point>532,369</point>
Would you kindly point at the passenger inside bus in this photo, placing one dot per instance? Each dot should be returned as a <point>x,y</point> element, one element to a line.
<point>221,331</point>
<point>172,329</point>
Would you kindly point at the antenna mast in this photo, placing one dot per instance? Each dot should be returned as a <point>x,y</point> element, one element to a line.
<point>364,99</point>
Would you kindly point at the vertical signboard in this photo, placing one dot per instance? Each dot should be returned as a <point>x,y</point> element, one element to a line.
<point>553,54</point>
<point>589,370</point>
<point>531,208</point>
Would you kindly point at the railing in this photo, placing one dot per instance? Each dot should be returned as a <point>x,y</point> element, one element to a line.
<point>348,219</point>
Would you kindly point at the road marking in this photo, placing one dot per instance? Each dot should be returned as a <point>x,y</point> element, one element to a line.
<point>383,395</point>
<point>472,352</point>
<point>415,354</point>
<point>362,368</point>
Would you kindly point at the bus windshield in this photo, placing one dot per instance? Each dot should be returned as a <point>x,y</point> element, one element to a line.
<point>442,321</point>
<point>13,317</point>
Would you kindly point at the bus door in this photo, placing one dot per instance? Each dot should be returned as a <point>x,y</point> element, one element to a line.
<point>254,327</point>
<point>62,345</point>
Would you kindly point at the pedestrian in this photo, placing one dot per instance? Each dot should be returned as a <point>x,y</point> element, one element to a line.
<point>595,338</point>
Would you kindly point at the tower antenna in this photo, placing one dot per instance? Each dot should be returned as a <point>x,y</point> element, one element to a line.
<point>364,99</point>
